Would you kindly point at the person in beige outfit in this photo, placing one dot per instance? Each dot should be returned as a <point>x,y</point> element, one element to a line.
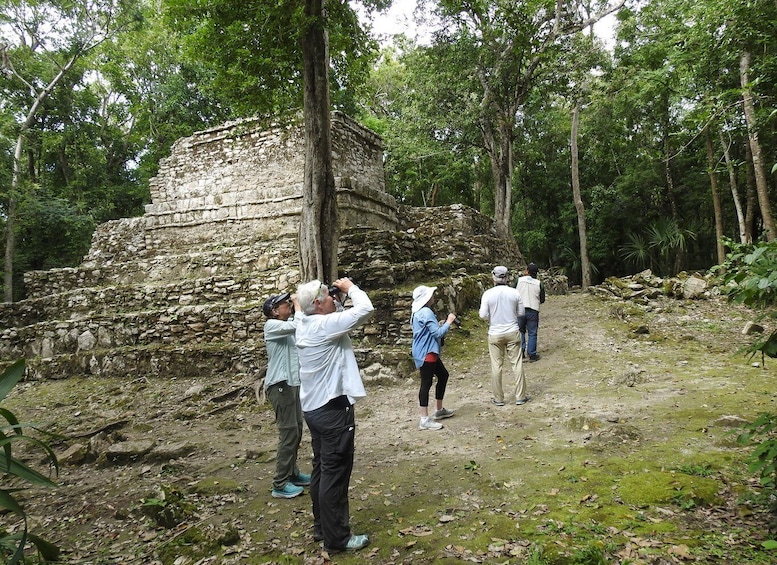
<point>502,306</point>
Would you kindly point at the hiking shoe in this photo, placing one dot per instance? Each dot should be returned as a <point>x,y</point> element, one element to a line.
<point>355,543</point>
<point>442,413</point>
<point>523,400</point>
<point>496,402</point>
<point>533,358</point>
<point>300,480</point>
<point>288,491</point>
<point>428,424</point>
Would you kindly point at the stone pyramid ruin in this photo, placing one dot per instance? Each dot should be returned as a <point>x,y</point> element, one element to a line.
<point>178,291</point>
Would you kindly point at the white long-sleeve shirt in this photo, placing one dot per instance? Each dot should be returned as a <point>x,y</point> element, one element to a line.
<point>327,364</point>
<point>501,305</point>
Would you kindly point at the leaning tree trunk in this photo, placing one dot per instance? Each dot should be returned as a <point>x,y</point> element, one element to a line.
<point>579,206</point>
<point>319,228</point>
<point>751,196</point>
<point>10,221</point>
<point>732,181</point>
<point>761,183</point>
<point>716,206</point>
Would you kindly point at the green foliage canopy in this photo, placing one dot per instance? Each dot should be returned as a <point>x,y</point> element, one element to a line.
<point>253,51</point>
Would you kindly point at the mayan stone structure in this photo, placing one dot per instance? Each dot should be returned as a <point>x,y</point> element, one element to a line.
<point>178,291</point>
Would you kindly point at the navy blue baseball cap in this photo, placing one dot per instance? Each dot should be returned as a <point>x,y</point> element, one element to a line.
<point>273,301</point>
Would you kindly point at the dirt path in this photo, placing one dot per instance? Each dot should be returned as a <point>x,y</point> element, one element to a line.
<point>607,402</point>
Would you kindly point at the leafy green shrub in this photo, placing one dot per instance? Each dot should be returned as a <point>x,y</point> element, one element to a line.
<point>168,507</point>
<point>750,273</point>
<point>659,248</point>
<point>15,473</point>
<point>764,459</point>
<point>749,276</point>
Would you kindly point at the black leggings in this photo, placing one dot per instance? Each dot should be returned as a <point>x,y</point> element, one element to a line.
<point>429,370</point>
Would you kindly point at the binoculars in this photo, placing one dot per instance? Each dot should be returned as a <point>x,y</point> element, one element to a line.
<point>335,290</point>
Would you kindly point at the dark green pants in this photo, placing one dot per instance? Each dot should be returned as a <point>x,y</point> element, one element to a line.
<point>288,419</point>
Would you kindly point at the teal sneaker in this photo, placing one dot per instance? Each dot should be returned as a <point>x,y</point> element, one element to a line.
<point>355,543</point>
<point>300,479</point>
<point>288,491</point>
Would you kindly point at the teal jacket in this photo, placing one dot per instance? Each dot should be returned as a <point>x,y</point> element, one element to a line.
<point>282,360</point>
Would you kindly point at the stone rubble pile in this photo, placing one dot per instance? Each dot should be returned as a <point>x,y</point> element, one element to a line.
<point>645,286</point>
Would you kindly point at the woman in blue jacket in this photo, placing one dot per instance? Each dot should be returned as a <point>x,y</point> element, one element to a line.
<point>427,339</point>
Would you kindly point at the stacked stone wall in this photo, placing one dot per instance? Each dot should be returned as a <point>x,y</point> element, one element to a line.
<point>245,182</point>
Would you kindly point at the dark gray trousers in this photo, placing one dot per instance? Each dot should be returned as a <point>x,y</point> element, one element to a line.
<point>332,431</point>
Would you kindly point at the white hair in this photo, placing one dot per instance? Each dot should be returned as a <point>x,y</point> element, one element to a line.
<point>308,293</point>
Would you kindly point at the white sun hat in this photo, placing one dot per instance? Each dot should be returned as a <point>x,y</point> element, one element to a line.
<point>421,295</point>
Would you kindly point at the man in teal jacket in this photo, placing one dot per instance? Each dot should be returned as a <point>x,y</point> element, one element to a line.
<point>282,385</point>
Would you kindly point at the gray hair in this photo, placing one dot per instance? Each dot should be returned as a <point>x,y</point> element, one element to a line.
<point>308,293</point>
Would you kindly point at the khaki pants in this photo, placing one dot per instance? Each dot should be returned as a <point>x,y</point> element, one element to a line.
<point>501,346</point>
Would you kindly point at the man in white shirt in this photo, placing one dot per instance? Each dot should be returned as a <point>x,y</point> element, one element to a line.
<point>532,294</point>
<point>330,385</point>
<point>502,307</point>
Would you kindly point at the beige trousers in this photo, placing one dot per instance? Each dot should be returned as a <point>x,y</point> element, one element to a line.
<point>501,346</point>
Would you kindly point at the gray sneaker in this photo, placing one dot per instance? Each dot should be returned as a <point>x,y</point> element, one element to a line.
<point>523,401</point>
<point>429,424</point>
<point>442,413</point>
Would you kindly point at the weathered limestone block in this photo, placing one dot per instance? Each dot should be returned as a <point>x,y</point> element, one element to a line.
<point>694,287</point>
<point>86,341</point>
<point>73,455</point>
<point>129,451</point>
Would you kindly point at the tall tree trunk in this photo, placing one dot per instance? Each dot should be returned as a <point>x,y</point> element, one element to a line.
<point>716,207</point>
<point>761,183</point>
<point>667,147</point>
<point>10,221</point>
<point>751,197</point>
<point>319,228</point>
<point>679,257</point>
<point>499,146</point>
<point>579,206</point>
<point>732,181</point>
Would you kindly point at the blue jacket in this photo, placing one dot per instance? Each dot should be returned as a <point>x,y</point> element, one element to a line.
<point>427,333</point>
